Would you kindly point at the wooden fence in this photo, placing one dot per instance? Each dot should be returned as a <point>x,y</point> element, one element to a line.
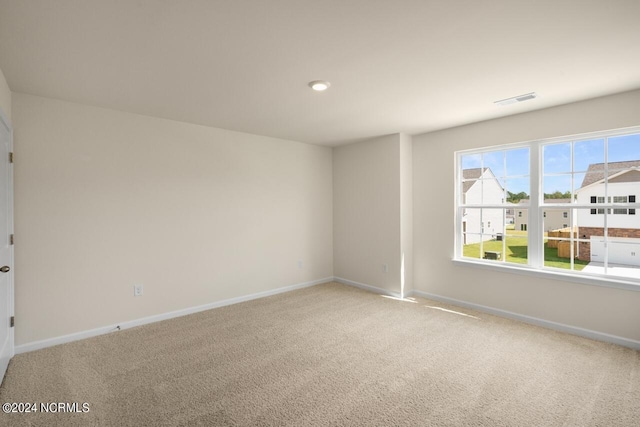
<point>563,246</point>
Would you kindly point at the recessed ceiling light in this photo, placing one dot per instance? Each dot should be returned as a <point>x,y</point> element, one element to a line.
<point>319,85</point>
<point>515,99</point>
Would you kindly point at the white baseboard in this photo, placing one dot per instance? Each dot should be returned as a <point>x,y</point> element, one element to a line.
<point>600,336</point>
<point>37,345</point>
<point>367,287</point>
<point>587,333</point>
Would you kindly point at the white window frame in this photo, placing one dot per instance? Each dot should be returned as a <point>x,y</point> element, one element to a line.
<point>536,209</point>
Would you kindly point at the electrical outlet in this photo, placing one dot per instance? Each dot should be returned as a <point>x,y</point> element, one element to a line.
<point>299,263</point>
<point>385,268</point>
<point>138,290</point>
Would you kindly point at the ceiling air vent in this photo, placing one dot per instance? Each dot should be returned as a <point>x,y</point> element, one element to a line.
<point>516,99</point>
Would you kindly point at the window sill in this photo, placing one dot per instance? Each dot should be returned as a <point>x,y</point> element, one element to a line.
<point>615,282</point>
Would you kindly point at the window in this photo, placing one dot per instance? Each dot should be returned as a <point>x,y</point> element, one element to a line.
<point>555,184</point>
<point>491,183</point>
<point>616,199</point>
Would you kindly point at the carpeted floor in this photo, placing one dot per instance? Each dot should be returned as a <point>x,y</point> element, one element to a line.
<point>331,355</point>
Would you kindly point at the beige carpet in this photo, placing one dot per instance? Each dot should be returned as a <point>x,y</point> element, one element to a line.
<point>331,355</point>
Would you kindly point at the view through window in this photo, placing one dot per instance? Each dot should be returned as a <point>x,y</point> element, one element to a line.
<point>563,205</point>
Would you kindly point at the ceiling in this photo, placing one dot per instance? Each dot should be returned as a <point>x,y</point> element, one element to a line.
<point>395,66</point>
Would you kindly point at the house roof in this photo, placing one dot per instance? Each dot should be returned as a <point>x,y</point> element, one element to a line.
<point>596,172</point>
<point>471,176</point>
<point>551,201</point>
<point>474,173</point>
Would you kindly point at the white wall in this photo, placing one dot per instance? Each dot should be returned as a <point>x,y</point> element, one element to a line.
<point>5,97</point>
<point>406,212</point>
<point>596,308</point>
<point>105,200</point>
<point>366,215</point>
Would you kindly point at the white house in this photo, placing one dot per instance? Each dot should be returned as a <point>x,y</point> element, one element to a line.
<point>554,218</point>
<point>481,186</point>
<point>623,224</point>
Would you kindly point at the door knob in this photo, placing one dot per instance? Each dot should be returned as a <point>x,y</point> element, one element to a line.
<point>5,269</point>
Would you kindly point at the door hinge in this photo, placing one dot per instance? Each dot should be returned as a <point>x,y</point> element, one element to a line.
<point>10,157</point>
<point>12,321</point>
<point>11,239</point>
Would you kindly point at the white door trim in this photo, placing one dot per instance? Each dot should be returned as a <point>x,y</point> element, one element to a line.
<point>4,362</point>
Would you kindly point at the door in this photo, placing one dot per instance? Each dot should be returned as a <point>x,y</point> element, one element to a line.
<point>622,251</point>
<point>6,252</point>
<point>625,252</point>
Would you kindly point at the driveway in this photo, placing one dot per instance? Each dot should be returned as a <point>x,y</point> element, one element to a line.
<point>613,269</point>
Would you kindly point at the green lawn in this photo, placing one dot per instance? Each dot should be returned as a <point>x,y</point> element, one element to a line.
<point>516,248</point>
<point>551,260</point>
<point>516,251</point>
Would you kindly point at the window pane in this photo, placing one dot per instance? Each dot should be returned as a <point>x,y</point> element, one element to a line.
<point>556,218</point>
<point>561,244</point>
<point>517,189</point>
<point>578,182</point>
<point>557,158</point>
<point>471,161</point>
<point>521,222</point>
<point>483,233</point>
<point>623,256</point>
<point>620,256</point>
<point>471,232</point>
<point>495,161</point>
<point>517,242</point>
<point>492,222</point>
<point>480,186</point>
<point>586,153</point>
<point>517,162</point>
<point>557,187</point>
<point>590,228</point>
<point>492,190</point>
<point>624,148</point>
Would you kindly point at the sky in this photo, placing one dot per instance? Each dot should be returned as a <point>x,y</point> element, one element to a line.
<point>511,167</point>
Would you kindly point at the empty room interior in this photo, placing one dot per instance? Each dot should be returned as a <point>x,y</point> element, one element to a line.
<point>348,213</point>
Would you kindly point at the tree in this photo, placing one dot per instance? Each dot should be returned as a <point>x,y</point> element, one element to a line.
<point>515,198</point>
<point>558,195</point>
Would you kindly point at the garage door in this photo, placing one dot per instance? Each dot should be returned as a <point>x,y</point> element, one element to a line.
<point>621,251</point>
